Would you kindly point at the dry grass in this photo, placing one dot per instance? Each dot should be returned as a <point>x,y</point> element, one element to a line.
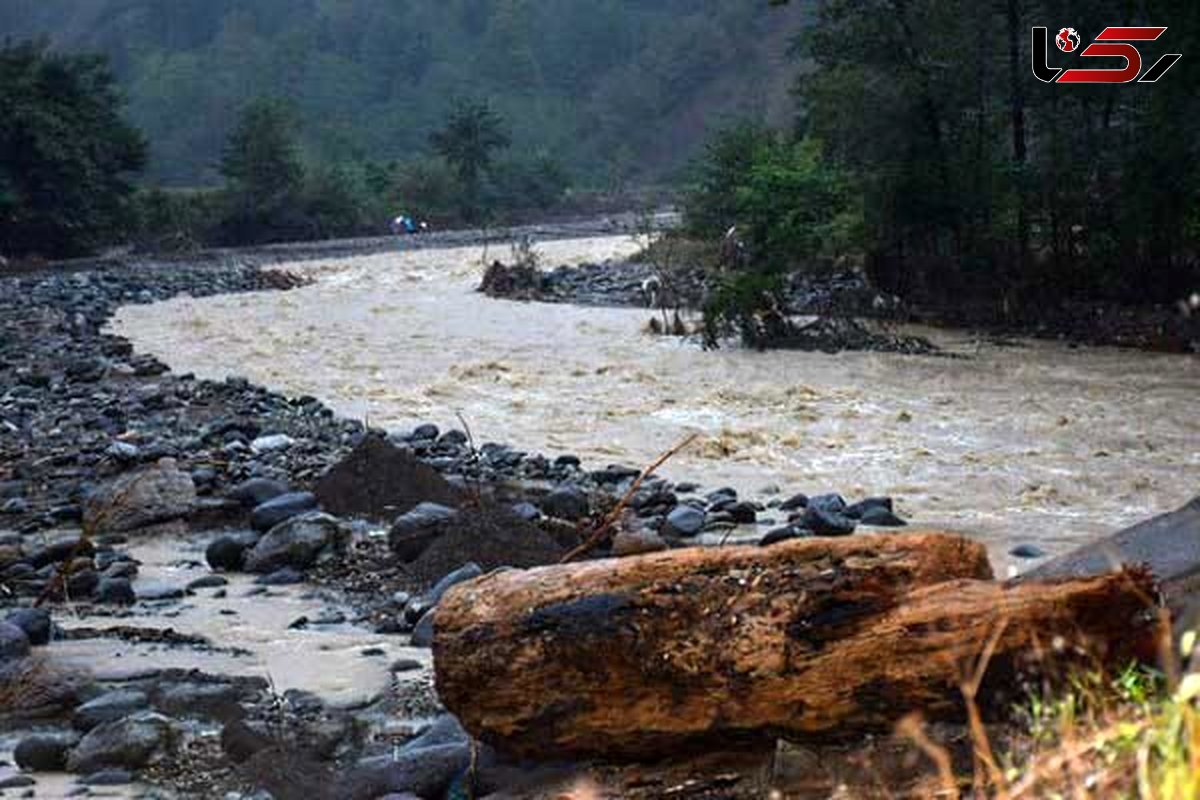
<point>1132,735</point>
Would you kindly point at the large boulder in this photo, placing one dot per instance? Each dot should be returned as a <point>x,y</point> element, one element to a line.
<point>128,743</point>
<point>379,481</point>
<point>141,499</point>
<point>1168,544</point>
<point>299,542</point>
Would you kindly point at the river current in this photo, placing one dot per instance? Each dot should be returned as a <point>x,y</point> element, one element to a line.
<point>1029,442</point>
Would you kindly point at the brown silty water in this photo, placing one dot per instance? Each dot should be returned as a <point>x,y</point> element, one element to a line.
<point>1036,443</point>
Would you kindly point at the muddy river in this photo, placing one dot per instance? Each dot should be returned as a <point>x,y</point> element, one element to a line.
<point>1033,443</point>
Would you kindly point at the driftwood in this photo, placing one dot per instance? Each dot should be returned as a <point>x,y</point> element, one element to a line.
<point>699,648</point>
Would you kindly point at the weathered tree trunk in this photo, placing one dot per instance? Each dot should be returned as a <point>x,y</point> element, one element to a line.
<point>823,638</point>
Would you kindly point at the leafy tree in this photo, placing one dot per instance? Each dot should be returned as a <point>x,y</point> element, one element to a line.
<point>66,155</point>
<point>264,175</point>
<point>710,205</point>
<point>468,141</point>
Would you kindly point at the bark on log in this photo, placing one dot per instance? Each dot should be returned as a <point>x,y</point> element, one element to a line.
<point>820,638</point>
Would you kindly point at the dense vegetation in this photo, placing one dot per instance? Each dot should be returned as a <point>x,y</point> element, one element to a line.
<point>615,90</point>
<point>925,144</point>
<point>66,156</point>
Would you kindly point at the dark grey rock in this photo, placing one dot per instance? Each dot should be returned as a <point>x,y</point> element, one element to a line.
<point>824,522</point>
<point>44,752</point>
<point>463,574</point>
<point>778,535</point>
<point>109,707</point>
<point>115,591</point>
<point>1027,551</point>
<point>157,590</point>
<point>298,542</point>
<point>208,582</point>
<point>200,700</point>
<point>857,510</point>
<point>743,513</point>
<point>107,777</point>
<point>14,644</point>
<point>256,491</point>
<point>881,518</point>
<point>833,503</point>
<point>228,552</point>
<point>288,576</point>
<point>131,742</point>
<point>412,532</point>
<point>527,511</point>
<point>16,782</point>
<point>422,635</point>
<point>425,772</point>
<point>280,509</point>
<point>684,521</point>
<point>566,502</point>
<point>35,622</point>
<point>425,432</point>
<point>446,729</point>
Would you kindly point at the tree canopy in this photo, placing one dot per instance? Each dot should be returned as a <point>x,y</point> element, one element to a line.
<point>620,90</point>
<point>66,156</point>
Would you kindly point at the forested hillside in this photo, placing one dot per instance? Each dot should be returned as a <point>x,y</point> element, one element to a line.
<point>615,89</point>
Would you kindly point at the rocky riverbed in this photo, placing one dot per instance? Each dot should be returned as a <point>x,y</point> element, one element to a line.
<point>203,594</point>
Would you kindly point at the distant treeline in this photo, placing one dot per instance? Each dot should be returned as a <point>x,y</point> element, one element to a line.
<point>616,90</point>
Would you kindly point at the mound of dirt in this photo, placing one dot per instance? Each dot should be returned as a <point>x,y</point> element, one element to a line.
<point>380,481</point>
<point>492,537</point>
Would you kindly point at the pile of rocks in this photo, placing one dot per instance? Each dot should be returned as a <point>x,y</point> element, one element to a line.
<point>99,439</point>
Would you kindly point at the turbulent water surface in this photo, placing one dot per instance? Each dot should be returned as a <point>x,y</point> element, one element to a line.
<point>1031,443</point>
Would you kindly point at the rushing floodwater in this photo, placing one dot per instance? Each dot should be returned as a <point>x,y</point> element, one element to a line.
<point>1037,443</point>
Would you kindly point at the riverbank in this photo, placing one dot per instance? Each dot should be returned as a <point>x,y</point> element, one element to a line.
<point>158,655</point>
<point>186,634</point>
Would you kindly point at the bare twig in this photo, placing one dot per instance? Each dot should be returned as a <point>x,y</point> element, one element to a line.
<point>604,529</point>
<point>476,481</point>
<point>913,727</point>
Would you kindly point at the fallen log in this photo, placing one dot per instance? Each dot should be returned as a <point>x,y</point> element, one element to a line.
<point>709,648</point>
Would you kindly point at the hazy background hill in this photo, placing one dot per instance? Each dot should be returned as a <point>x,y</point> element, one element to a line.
<point>615,90</point>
